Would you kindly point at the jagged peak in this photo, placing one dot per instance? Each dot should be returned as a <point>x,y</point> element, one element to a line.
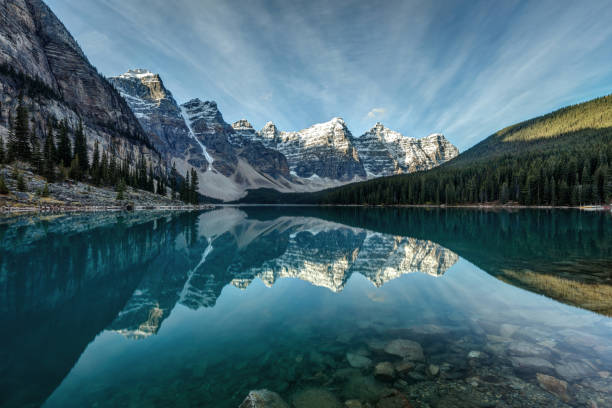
<point>269,127</point>
<point>197,102</point>
<point>242,124</point>
<point>138,73</point>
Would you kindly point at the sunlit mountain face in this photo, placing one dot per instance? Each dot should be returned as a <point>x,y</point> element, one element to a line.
<point>300,299</point>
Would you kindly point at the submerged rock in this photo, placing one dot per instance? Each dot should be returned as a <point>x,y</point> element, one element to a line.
<point>553,385</point>
<point>358,361</point>
<point>403,366</point>
<point>384,371</point>
<point>433,370</point>
<point>531,364</point>
<point>574,370</point>
<point>315,397</point>
<point>263,399</point>
<point>353,404</point>
<point>407,349</point>
<point>522,348</point>
<point>395,401</point>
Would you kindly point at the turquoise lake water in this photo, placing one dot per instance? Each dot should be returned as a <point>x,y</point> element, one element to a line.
<point>378,307</point>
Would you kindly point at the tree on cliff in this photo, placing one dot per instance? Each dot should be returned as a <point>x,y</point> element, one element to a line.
<point>64,147</point>
<point>80,148</point>
<point>193,187</point>
<point>21,133</point>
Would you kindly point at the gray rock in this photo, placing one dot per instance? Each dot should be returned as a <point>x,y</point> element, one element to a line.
<point>384,371</point>
<point>358,361</point>
<point>384,152</point>
<point>403,366</point>
<point>315,397</point>
<point>433,370</point>
<point>531,364</point>
<point>407,349</point>
<point>522,348</point>
<point>553,385</point>
<point>263,399</point>
<point>575,370</point>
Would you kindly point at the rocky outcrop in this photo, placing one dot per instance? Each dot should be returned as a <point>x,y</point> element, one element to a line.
<point>157,111</point>
<point>194,135</point>
<point>385,152</point>
<point>232,159</point>
<point>323,150</point>
<point>58,82</point>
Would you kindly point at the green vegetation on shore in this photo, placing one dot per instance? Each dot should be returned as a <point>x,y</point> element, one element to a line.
<point>56,157</point>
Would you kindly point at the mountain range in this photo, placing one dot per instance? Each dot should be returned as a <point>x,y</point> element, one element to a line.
<point>134,115</point>
<point>231,159</point>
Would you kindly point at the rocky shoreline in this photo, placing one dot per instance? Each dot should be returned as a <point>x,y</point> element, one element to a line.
<point>71,196</point>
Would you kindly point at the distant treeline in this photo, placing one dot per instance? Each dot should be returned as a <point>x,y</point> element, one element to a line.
<point>562,158</point>
<point>574,169</point>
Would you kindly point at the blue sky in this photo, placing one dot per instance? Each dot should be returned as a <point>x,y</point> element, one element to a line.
<point>463,68</point>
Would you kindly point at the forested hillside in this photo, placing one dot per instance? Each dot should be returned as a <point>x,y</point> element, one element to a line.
<point>563,158</point>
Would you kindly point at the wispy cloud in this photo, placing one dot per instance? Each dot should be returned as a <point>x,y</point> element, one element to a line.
<point>465,69</point>
<point>376,113</point>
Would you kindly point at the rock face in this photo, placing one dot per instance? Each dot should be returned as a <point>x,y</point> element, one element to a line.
<point>157,111</point>
<point>385,152</point>
<point>194,135</point>
<point>34,43</point>
<point>324,150</point>
<point>232,159</point>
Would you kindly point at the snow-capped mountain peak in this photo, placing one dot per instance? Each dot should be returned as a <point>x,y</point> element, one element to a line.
<point>138,73</point>
<point>242,124</point>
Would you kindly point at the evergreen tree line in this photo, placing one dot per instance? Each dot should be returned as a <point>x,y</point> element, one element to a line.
<point>59,158</point>
<point>562,173</point>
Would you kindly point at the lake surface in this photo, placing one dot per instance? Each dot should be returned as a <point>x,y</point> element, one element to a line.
<point>379,307</point>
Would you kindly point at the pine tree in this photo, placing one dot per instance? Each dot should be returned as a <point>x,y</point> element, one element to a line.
<point>120,189</point>
<point>193,190</point>
<point>80,148</point>
<point>11,153</point>
<point>21,185</point>
<point>185,189</point>
<point>36,158</point>
<point>2,151</point>
<point>75,169</point>
<point>3,188</point>
<point>48,157</point>
<point>95,164</point>
<point>608,184</point>
<point>173,180</point>
<point>52,144</point>
<point>22,132</point>
<point>151,180</point>
<point>64,147</point>
<point>104,177</point>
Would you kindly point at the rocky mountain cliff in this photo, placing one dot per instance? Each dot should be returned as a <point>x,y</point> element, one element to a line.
<point>324,150</point>
<point>385,152</point>
<point>233,159</point>
<point>40,59</point>
<point>134,114</point>
<point>195,135</point>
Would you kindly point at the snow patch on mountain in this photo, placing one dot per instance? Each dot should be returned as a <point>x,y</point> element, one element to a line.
<point>187,120</point>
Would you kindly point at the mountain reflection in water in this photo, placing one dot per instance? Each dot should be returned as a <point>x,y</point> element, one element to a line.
<point>66,279</point>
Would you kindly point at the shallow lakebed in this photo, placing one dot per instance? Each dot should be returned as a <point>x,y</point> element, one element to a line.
<point>326,307</point>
